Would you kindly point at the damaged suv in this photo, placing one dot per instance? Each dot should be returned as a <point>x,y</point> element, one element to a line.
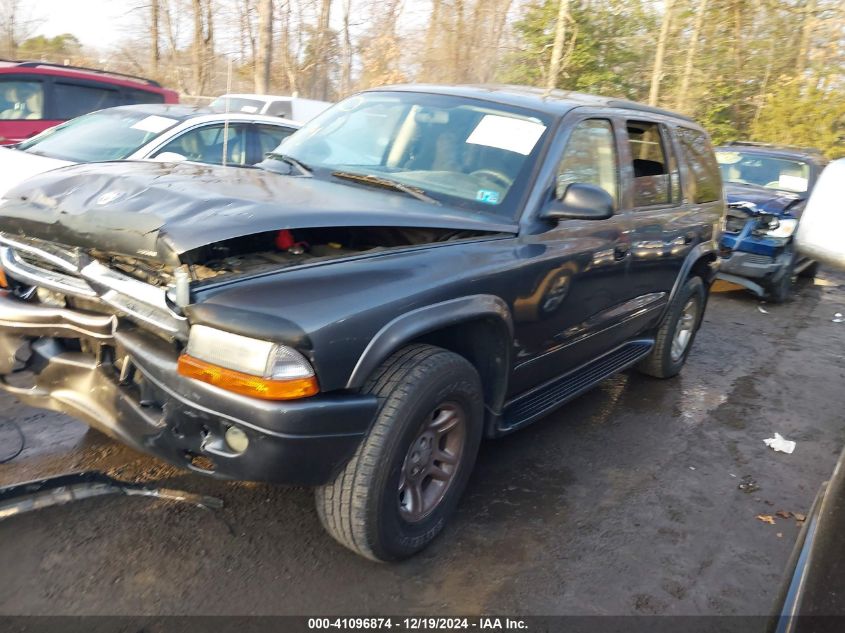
<point>415,269</point>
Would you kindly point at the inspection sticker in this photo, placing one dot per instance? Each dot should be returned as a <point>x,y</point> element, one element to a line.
<point>508,133</point>
<point>487,196</point>
<point>154,124</point>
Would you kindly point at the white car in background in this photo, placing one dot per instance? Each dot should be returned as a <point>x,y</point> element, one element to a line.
<point>150,131</point>
<point>292,108</point>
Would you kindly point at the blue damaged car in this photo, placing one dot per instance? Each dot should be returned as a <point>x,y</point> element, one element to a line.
<point>766,187</point>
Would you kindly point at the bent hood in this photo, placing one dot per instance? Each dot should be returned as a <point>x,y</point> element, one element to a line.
<point>766,200</point>
<point>161,210</point>
<point>16,166</point>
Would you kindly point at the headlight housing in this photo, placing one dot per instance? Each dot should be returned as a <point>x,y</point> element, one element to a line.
<point>778,228</point>
<point>245,365</point>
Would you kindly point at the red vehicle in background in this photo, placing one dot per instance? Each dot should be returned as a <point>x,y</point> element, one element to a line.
<point>37,95</point>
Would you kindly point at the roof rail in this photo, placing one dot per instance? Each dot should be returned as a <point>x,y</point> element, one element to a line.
<point>807,150</point>
<point>634,105</point>
<point>34,64</point>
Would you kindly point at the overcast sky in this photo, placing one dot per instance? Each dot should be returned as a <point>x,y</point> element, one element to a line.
<point>96,23</point>
<point>103,23</point>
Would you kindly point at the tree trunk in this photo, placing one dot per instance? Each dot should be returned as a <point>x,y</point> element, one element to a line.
<point>806,32</point>
<point>155,53</point>
<point>346,69</point>
<point>432,37</point>
<point>557,49</point>
<point>691,51</point>
<point>174,51</point>
<point>322,74</point>
<point>198,49</point>
<point>264,52</point>
<point>657,71</point>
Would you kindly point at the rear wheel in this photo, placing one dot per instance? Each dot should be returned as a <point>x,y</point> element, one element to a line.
<point>677,331</point>
<point>404,481</point>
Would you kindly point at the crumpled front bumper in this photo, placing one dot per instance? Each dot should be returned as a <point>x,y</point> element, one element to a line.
<point>123,381</point>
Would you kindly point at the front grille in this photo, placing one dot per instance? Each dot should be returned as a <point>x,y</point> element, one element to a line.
<point>67,272</point>
<point>753,258</point>
<point>735,224</point>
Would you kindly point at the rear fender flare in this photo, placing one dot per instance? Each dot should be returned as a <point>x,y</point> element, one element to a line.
<point>704,251</point>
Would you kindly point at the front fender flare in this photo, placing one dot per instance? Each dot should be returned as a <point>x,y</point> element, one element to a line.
<point>420,321</point>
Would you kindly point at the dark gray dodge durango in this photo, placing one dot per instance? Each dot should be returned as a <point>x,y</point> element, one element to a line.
<point>415,269</point>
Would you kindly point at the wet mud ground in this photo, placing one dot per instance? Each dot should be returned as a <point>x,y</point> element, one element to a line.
<point>626,501</point>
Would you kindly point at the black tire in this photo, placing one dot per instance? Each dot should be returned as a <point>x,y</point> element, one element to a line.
<point>661,363</point>
<point>780,290</point>
<point>362,508</point>
<point>810,272</point>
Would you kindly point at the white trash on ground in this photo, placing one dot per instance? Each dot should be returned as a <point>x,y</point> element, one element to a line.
<point>778,443</point>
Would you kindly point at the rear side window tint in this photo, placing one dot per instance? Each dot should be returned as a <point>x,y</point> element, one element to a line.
<point>706,182</point>
<point>73,100</point>
<point>131,96</point>
<point>652,181</point>
<point>269,138</point>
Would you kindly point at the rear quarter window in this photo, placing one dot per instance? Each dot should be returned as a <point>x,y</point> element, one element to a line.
<point>705,179</point>
<point>72,100</point>
<point>131,97</point>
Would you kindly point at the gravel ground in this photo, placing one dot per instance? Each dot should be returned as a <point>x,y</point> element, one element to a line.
<point>624,502</point>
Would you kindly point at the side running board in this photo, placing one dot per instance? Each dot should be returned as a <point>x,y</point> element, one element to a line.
<point>542,400</point>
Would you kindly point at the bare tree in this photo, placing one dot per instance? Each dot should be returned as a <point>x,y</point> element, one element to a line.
<point>203,45</point>
<point>321,67</point>
<point>346,51</point>
<point>264,52</point>
<point>806,32</point>
<point>657,71</point>
<point>683,91</point>
<point>155,53</point>
<point>17,23</point>
<point>557,49</point>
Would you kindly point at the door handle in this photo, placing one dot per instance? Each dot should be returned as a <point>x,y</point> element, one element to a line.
<point>621,251</point>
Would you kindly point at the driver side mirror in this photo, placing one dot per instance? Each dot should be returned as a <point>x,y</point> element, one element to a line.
<point>580,201</point>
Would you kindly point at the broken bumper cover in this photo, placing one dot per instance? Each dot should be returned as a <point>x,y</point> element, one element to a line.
<point>749,265</point>
<point>124,382</point>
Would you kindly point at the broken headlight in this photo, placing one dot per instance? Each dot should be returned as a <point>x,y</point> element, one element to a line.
<point>771,226</point>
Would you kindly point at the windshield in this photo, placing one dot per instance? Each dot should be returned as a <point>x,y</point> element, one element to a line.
<point>751,168</point>
<point>459,151</point>
<point>105,135</point>
<point>237,104</point>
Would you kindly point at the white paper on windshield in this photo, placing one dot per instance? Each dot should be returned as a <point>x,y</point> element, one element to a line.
<point>508,133</point>
<point>249,109</point>
<point>154,124</point>
<point>792,183</point>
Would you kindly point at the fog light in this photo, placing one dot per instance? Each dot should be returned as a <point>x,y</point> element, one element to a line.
<point>236,439</point>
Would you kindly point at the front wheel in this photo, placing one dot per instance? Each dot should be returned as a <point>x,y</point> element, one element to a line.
<point>677,331</point>
<point>780,290</point>
<point>404,481</point>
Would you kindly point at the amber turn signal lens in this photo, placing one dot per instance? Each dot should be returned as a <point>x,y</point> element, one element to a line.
<point>245,384</point>
<point>3,281</point>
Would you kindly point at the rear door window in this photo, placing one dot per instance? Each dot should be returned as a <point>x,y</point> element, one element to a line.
<point>72,100</point>
<point>206,144</point>
<point>20,99</point>
<point>651,163</point>
<point>705,181</point>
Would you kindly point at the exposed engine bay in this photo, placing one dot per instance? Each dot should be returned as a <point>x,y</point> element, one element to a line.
<point>279,249</point>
